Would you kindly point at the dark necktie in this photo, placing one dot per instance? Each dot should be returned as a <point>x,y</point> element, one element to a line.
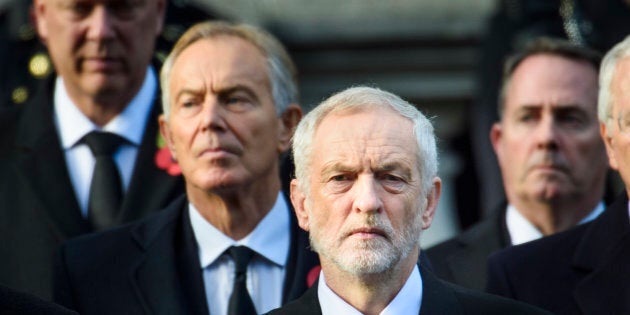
<point>106,187</point>
<point>240,301</point>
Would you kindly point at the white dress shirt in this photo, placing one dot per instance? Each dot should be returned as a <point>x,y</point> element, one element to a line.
<point>72,126</point>
<point>265,272</point>
<point>522,231</point>
<point>407,301</point>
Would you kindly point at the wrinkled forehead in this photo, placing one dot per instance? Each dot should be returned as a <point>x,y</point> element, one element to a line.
<point>357,132</point>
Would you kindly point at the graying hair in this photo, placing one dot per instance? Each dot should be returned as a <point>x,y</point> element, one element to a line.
<point>281,69</point>
<point>363,98</point>
<point>607,71</point>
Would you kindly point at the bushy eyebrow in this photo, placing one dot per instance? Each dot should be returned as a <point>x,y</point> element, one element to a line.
<point>395,166</point>
<point>335,167</point>
<point>558,108</point>
<point>237,88</point>
<point>184,92</point>
<point>340,166</point>
<point>224,91</point>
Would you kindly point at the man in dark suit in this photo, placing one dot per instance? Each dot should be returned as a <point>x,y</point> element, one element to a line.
<point>230,108</point>
<point>101,51</point>
<point>366,186</point>
<point>552,159</point>
<point>585,270</point>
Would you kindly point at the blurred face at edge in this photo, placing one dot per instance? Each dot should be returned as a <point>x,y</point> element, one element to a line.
<point>100,47</point>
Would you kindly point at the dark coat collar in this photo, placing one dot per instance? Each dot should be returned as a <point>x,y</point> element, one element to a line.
<point>437,298</point>
<point>466,262</point>
<point>170,262</point>
<point>602,236</point>
<point>167,278</point>
<point>40,160</point>
<point>603,257</point>
<point>493,227</point>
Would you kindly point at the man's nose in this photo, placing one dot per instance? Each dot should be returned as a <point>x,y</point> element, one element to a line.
<point>100,24</point>
<point>547,133</point>
<point>213,115</point>
<point>367,198</point>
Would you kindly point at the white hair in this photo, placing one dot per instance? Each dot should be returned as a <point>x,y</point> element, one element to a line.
<point>606,73</point>
<point>358,98</point>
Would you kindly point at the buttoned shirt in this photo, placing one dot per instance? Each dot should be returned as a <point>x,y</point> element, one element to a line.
<point>522,230</point>
<point>72,125</point>
<point>265,272</point>
<point>407,301</point>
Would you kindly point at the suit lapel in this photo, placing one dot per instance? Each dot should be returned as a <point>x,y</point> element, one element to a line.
<point>150,188</point>
<point>437,298</point>
<point>610,280</point>
<point>603,256</point>
<point>168,277</point>
<point>41,164</point>
<point>308,303</point>
<point>477,243</point>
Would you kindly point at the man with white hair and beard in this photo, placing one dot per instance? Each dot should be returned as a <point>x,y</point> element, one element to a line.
<point>366,186</point>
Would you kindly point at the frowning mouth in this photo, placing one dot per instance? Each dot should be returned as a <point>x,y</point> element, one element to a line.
<point>101,63</point>
<point>549,168</point>
<point>367,233</point>
<point>217,152</point>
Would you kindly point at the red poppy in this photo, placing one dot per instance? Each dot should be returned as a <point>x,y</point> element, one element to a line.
<point>312,275</point>
<point>164,160</point>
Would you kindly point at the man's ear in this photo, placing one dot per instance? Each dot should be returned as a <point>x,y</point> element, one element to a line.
<point>496,134</point>
<point>609,142</point>
<point>432,199</point>
<point>161,14</point>
<point>288,122</point>
<point>165,131</point>
<point>298,199</point>
<point>39,12</point>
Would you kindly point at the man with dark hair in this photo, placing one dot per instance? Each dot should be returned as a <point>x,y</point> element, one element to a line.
<point>552,159</point>
<point>585,270</point>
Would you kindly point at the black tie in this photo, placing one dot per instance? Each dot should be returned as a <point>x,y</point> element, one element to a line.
<point>106,186</point>
<point>240,301</point>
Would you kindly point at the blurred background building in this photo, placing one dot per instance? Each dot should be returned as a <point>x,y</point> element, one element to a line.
<point>443,56</point>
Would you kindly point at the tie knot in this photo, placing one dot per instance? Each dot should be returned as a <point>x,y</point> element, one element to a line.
<point>241,255</point>
<point>102,143</point>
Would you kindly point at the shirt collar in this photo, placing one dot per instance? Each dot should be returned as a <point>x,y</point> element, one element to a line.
<point>407,301</point>
<point>270,238</point>
<point>73,124</point>
<point>522,231</point>
<point>595,213</point>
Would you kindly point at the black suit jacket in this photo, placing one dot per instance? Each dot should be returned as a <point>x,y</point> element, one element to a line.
<point>18,303</point>
<point>464,259</point>
<point>152,267</point>
<point>585,270</point>
<point>438,297</point>
<point>38,206</point>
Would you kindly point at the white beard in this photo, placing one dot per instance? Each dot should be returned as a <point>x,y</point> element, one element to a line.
<point>371,256</point>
